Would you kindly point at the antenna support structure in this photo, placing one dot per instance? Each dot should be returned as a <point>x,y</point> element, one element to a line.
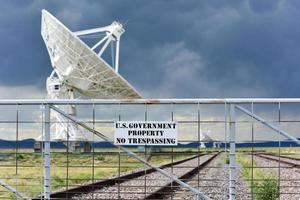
<point>113,33</point>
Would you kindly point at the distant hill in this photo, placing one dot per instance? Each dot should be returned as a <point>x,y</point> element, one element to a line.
<point>28,143</point>
<point>7,144</point>
<point>285,143</point>
<point>25,144</point>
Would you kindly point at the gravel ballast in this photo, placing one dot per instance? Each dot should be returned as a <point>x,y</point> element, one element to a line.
<point>142,186</point>
<point>214,182</point>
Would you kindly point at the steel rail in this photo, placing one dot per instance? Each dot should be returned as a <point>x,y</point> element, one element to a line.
<point>276,158</point>
<point>164,191</point>
<point>281,156</point>
<point>132,154</point>
<point>112,181</point>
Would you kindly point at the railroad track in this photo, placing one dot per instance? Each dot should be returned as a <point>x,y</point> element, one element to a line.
<point>169,188</point>
<point>293,162</point>
<point>83,192</point>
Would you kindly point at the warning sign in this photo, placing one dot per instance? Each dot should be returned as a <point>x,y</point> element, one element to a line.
<point>160,133</point>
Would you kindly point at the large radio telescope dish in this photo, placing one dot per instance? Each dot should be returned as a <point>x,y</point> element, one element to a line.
<point>78,66</point>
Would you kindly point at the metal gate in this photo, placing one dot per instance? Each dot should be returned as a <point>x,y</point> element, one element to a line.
<point>227,149</point>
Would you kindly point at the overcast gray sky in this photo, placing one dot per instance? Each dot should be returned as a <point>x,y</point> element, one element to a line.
<point>183,49</point>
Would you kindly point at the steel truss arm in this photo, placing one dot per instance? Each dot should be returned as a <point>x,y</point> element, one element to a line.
<point>132,154</point>
<point>104,46</point>
<point>117,56</point>
<point>99,43</point>
<point>113,34</point>
<point>91,31</point>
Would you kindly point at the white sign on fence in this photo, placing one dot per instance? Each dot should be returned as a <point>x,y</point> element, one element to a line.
<point>150,133</point>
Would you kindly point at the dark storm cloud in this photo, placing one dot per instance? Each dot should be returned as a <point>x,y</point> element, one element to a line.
<point>263,6</point>
<point>170,48</point>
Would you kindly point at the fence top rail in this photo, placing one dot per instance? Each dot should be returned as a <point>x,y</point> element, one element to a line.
<point>147,101</point>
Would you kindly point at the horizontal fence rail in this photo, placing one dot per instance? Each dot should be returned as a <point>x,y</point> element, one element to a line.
<point>147,101</point>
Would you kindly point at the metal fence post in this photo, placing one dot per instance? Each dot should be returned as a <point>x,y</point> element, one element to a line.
<point>46,153</point>
<point>232,165</point>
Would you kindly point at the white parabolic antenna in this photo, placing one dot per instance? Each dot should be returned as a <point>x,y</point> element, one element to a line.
<point>80,69</point>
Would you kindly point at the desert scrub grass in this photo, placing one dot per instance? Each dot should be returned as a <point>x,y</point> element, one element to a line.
<point>227,159</point>
<point>57,182</point>
<point>267,189</point>
<point>100,157</point>
<point>263,186</point>
<point>13,196</point>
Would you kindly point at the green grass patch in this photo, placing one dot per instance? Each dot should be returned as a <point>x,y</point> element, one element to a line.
<point>227,159</point>
<point>264,186</point>
<point>267,189</point>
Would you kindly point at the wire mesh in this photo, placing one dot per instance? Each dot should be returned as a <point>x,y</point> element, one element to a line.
<point>267,164</point>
